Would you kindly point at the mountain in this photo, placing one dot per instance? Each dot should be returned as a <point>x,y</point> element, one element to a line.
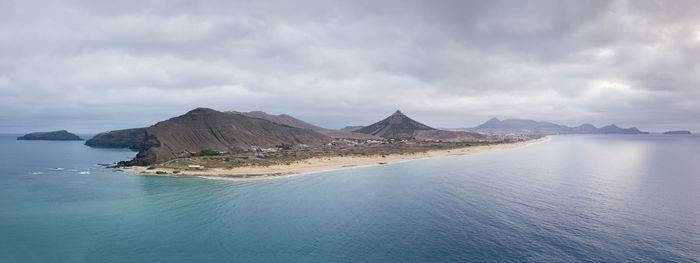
<point>128,138</point>
<point>281,119</point>
<point>285,119</point>
<point>677,132</point>
<point>351,128</point>
<point>396,126</point>
<point>132,138</point>
<point>61,135</point>
<point>530,127</point>
<point>202,129</point>
<point>399,126</point>
<point>613,129</point>
<point>491,124</point>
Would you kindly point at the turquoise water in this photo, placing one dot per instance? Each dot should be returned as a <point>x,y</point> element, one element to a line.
<point>572,198</point>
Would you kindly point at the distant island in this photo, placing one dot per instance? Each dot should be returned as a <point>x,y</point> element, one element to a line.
<point>677,132</point>
<point>61,135</point>
<point>531,127</point>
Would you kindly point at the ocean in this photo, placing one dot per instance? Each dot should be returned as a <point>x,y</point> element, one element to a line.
<point>576,198</point>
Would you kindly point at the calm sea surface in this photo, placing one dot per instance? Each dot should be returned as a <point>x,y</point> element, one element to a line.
<point>624,198</point>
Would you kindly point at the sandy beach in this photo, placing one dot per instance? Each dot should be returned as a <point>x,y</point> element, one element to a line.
<point>327,163</point>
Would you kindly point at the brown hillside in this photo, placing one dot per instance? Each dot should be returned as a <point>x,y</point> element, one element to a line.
<point>294,122</point>
<point>204,128</point>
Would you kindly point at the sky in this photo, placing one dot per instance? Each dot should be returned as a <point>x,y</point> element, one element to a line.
<point>90,66</point>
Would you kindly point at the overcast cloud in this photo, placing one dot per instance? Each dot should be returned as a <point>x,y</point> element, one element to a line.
<point>89,66</point>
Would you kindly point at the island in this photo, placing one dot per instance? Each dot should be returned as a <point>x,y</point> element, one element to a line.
<point>61,135</point>
<point>677,132</point>
<point>206,142</point>
<point>531,127</point>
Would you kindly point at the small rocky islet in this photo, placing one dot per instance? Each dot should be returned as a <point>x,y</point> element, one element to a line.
<point>677,132</point>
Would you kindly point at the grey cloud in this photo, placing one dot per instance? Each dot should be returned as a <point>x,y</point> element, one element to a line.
<point>102,65</point>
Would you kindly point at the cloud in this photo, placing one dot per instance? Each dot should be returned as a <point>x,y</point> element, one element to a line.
<point>91,65</point>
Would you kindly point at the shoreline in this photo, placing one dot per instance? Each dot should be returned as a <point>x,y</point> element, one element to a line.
<point>325,163</point>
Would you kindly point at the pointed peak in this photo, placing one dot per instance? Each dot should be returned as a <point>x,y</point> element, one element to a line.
<point>396,126</point>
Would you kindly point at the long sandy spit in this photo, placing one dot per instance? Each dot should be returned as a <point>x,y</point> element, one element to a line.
<point>322,163</point>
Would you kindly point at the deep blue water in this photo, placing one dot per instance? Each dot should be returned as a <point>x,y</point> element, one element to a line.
<point>571,198</point>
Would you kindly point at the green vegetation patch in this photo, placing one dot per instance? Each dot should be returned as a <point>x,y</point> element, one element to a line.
<point>205,152</point>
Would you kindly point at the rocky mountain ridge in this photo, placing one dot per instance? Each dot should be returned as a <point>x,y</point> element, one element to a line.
<point>531,127</point>
<point>207,129</point>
